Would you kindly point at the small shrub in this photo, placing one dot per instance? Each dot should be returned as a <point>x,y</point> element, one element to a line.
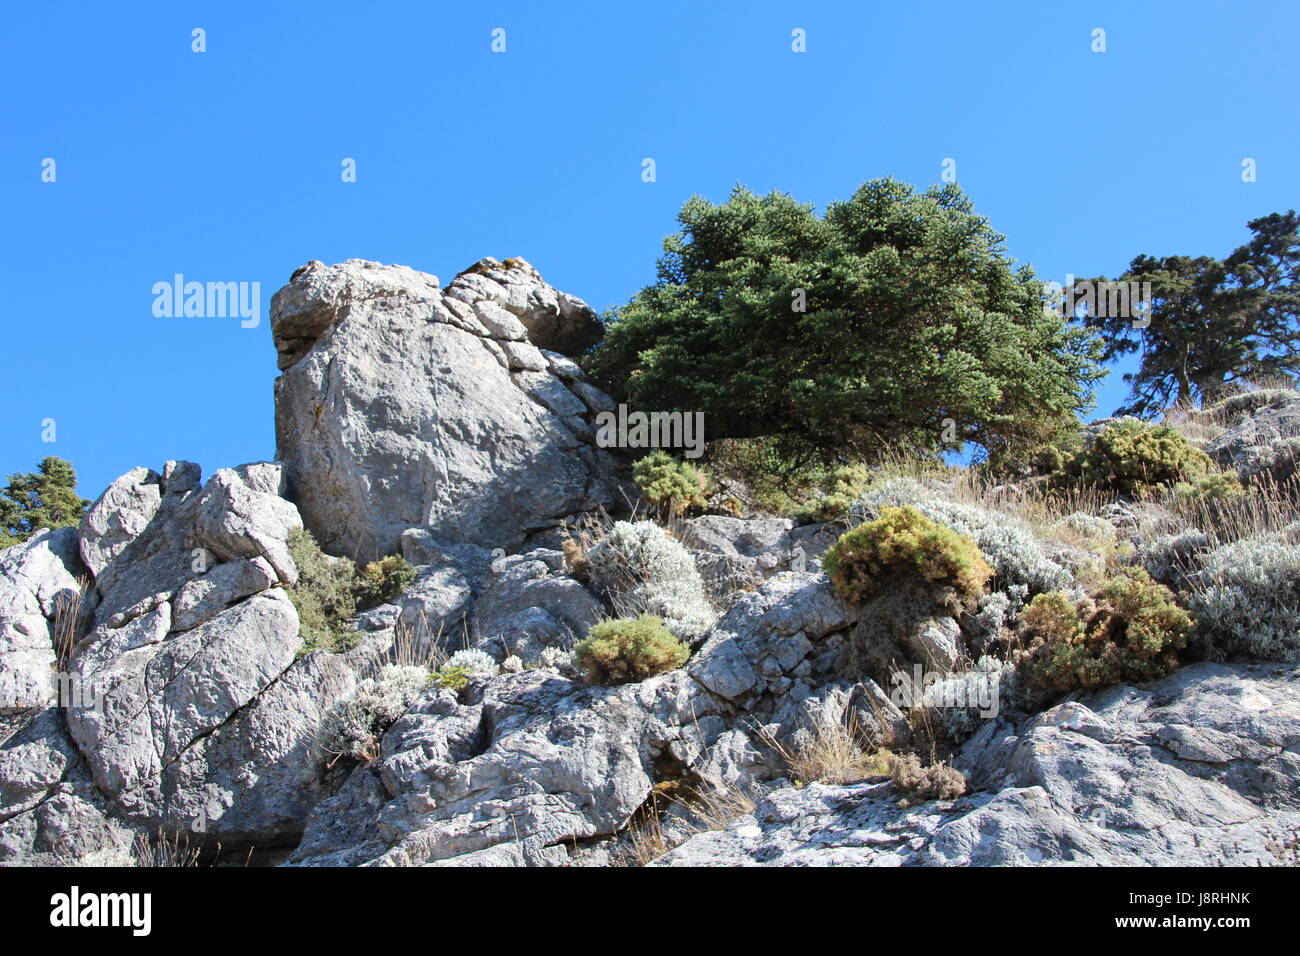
<point>641,570</point>
<point>1131,633</point>
<point>324,597</point>
<point>1092,530</point>
<point>330,591</point>
<point>671,485</point>
<point>1133,457</point>
<point>1170,558</point>
<point>960,701</point>
<point>844,485</point>
<point>474,661</point>
<point>1215,489</point>
<point>919,784</point>
<point>353,728</point>
<point>381,581</point>
<point>451,677</point>
<point>903,541</point>
<point>1021,568</point>
<point>1247,597</point>
<point>622,650</point>
<point>555,657</point>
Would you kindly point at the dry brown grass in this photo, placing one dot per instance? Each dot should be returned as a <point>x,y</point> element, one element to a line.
<point>71,616</point>
<point>834,752</point>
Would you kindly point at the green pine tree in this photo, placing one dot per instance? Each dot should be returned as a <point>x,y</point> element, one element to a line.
<point>896,319</point>
<point>45,498</point>
<point>1213,322</point>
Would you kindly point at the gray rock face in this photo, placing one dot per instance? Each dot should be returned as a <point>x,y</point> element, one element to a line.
<point>534,762</point>
<point>38,585</point>
<point>51,813</point>
<point>190,715</point>
<point>159,694</point>
<point>734,552</point>
<point>1264,442</point>
<point>401,406</point>
<point>552,319</point>
<point>765,642</point>
<point>1199,769</point>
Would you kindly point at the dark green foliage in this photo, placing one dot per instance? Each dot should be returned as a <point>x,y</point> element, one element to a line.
<point>903,541</point>
<point>330,591</point>
<point>1213,322</point>
<point>628,649</point>
<point>45,498</point>
<point>1130,633</point>
<point>914,316</point>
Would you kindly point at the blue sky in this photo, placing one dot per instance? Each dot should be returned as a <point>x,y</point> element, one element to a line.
<point>225,165</point>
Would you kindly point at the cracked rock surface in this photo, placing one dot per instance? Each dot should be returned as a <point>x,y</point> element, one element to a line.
<point>402,405</point>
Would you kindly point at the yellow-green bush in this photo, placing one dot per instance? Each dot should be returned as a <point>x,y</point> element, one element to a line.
<point>323,596</point>
<point>669,484</point>
<point>1133,457</point>
<point>1209,489</point>
<point>1131,632</point>
<point>626,649</point>
<point>903,541</point>
<point>841,487</point>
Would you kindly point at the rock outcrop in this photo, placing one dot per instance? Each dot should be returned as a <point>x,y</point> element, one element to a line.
<point>1200,769</point>
<point>39,590</point>
<point>404,405</point>
<point>1263,435</point>
<point>187,712</point>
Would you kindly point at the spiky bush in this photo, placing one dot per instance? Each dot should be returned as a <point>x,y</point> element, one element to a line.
<point>1246,596</point>
<point>381,581</point>
<point>1005,541</point>
<point>1215,489</point>
<point>1133,457</point>
<point>353,727</point>
<point>620,650</point>
<point>902,541</point>
<point>919,784</point>
<point>641,570</point>
<point>671,485</point>
<point>1130,633</point>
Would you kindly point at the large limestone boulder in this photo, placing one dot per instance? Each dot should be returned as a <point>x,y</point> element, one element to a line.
<point>403,405</point>
<point>192,715</point>
<point>39,588</point>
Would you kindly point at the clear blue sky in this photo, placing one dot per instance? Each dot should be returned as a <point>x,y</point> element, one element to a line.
<point>225,165</point>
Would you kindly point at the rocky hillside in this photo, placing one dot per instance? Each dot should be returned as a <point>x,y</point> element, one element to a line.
<point>165,695</point>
